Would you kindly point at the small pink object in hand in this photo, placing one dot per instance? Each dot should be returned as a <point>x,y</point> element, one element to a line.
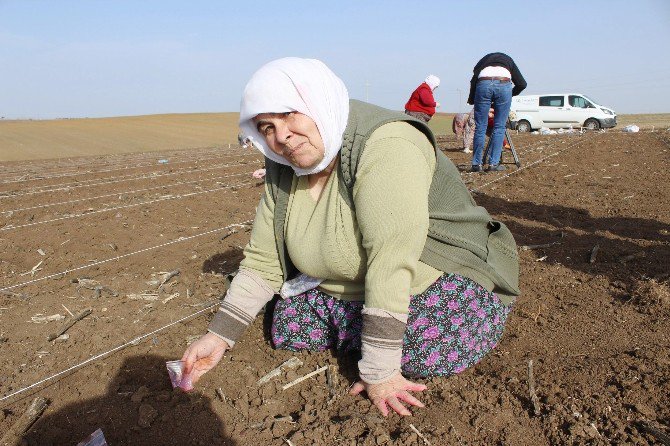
<point>176,371</point>
<point>260,174</point>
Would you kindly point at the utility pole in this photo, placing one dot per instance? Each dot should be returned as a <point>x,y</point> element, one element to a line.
<point>367,96</point>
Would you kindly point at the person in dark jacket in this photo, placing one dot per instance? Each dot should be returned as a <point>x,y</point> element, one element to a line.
<point>421,103</point>
<point>491,86</point>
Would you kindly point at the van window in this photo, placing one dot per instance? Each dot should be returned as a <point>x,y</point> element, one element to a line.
<point>579,102</point>
<point>551,101</point>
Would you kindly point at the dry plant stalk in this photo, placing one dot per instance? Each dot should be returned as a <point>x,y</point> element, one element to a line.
<point>544,245</point>
<point>13,437</point>
<point>302,378</point>
<point>170,297</point>
<point>167,277</point>
<point>421,436</point>
<point>531,389</point>
<point>594,253</point>
<point>332,380</point>
<point>33,270</point>
<point>41,319</point>
<point>288,364</point>
<point>68,310</point>
<point>143,296</point>
<point>11,294</point>
<point>70,323</point>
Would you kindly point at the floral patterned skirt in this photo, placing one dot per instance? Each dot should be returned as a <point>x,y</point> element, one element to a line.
<point>450,326</point>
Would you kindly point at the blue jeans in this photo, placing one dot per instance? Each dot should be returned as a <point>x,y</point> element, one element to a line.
<point>496,94</point>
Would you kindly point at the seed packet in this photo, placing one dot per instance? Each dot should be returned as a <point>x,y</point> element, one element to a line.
<point>299,285</point>
<point>97,438</point>
<point>176,371</point>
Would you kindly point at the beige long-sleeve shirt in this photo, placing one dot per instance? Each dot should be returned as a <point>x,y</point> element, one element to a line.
<point>370,254</point>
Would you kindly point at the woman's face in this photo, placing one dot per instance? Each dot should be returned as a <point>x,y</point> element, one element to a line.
<point>293,136</point>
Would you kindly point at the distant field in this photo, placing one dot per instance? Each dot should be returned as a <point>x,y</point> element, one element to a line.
<point>65,138</point>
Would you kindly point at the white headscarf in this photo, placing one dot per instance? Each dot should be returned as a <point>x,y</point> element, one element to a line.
<point>307,86</point>
<point>432,81</point>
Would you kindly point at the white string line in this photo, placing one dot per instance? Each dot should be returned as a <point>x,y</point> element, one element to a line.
<point>38,171</point>
<point>135,341</point>
<point>142,177</point>
<point>100,262</point>
<point>87,172</point>
<point>526,166</point>
<point>130,175</point>
<point>115,161</point>
<point>83,160</point>
<point>111,180</point>
<point>157,200</point>
<point>133,174</point>
<point>124,192</point>
<point>91,171</point>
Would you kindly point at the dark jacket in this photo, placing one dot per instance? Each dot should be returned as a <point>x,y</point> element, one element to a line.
<point>497,60</point>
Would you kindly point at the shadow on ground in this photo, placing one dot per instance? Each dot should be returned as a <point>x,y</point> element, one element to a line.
<point>628,248</point>
<point>223,262</point>
<point>139,407</point>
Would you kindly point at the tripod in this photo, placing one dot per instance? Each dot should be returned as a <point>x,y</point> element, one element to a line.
<point>511,147</point>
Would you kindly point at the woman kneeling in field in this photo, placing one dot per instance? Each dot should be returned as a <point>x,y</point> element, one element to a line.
<point>369,235</point>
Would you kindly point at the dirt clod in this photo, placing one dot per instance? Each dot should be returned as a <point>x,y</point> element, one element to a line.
<point>147,415</point>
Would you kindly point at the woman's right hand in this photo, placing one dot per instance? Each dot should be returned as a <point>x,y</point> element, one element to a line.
<point>391,393</point>
<point>202,356</point>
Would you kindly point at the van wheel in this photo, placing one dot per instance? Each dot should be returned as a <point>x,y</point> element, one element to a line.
<point>523,126</point>
<point>592,124</point>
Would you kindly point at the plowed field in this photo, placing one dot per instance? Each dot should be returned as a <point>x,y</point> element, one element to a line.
<point>591,214</point>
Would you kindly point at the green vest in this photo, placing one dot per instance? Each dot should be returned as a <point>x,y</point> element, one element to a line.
<point>460,233</point>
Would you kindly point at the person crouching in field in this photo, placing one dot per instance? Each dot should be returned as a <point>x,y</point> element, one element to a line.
<point>463,125</point>
<point>346,233</point>
<point>421,103</point>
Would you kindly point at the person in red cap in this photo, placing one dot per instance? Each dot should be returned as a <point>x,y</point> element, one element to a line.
<point>422,104</point>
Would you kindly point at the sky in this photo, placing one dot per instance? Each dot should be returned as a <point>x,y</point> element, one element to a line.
<point>98,58</point>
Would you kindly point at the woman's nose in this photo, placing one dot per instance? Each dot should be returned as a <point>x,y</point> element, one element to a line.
<point>283,132</point>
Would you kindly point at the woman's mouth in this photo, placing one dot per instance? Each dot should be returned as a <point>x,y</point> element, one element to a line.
<point>291,150</point>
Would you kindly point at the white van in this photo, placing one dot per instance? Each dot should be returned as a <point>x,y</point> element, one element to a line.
<point>560,111</point>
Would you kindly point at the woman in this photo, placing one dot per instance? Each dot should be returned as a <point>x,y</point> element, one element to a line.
<point>342,233</point>
<point>463,126</point>
<point>421,103</point>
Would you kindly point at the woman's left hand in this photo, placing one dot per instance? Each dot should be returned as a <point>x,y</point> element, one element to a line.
<point>391,393</point>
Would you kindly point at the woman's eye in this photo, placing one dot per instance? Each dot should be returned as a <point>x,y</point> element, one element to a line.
<point>267,130</point>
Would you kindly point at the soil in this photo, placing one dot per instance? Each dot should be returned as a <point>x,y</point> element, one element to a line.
<point>591,214</point>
